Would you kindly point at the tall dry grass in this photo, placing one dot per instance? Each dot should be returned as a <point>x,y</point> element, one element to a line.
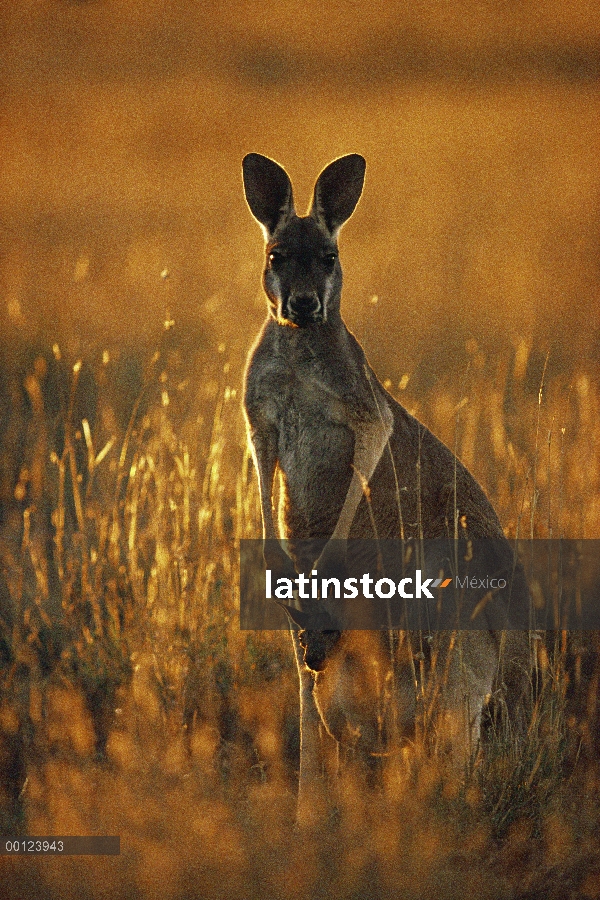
<point>132,704</point>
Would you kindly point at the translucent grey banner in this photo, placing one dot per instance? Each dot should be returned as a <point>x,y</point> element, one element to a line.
<point>69,845</point>
<point>434,585</point>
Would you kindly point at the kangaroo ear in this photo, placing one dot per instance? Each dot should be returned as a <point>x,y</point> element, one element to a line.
<point>337,192</point>
<point>268,191</point>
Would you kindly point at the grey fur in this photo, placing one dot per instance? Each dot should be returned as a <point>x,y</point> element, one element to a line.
<point>318,415</point>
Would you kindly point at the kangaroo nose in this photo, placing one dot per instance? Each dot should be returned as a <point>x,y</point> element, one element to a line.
<point>304,304</point>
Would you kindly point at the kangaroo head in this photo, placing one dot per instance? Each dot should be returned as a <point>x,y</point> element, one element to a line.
<point>302,276</point>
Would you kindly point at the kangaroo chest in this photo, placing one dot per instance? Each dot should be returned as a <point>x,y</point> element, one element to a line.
<point>315,453</point>
<point>312,415</point>
<point>308,402</point>
<point>313,397</point>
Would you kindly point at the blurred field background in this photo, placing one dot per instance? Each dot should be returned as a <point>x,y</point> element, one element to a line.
<point>130,266</point>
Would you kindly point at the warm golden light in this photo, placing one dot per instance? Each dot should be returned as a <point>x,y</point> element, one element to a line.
<point>130,701</point>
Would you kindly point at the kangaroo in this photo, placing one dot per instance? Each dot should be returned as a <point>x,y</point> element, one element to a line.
<point>353,463</point>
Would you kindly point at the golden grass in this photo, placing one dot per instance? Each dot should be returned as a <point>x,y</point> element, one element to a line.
<point>132,704</point>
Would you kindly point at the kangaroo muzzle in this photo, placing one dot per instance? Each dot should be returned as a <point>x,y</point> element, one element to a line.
<point>304,309</point>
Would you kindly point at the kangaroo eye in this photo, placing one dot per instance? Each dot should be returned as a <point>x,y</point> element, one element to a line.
<point>329,259</point>
<point>276,256</point>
